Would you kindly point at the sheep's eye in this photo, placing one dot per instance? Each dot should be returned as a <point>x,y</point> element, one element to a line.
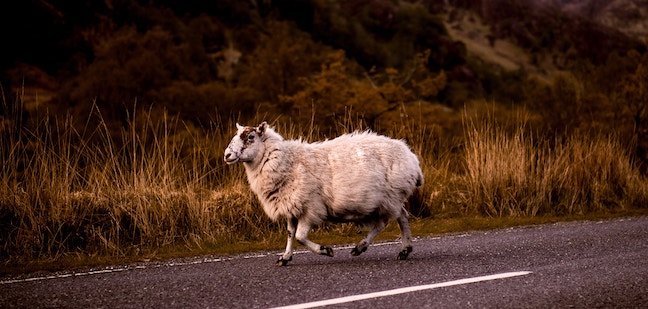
<point>250,138</point>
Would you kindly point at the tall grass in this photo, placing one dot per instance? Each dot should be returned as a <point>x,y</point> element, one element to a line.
<point>160,182</point>
<point>77,187</point>
<point>509,173</point>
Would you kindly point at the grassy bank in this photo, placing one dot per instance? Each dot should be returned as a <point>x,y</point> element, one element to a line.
<point>80,192</point>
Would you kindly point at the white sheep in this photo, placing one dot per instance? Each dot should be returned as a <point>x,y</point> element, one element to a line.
<point>360,177</point>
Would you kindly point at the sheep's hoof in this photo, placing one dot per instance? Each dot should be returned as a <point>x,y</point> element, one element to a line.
<point>282,262</point>
<point>329,251</point>
<point>403,254</point>
<point>356,252</point>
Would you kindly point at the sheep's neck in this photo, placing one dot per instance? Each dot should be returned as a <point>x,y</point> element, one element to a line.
<point>268,164</point>
<point>268,174</point>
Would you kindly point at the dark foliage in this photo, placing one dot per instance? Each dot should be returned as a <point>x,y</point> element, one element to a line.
<point>234,59</point>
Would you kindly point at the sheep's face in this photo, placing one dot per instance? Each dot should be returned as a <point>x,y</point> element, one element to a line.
<point>245,144</point>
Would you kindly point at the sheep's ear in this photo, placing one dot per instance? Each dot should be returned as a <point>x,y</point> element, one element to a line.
<point>262,127</point>
<point>238,126</point>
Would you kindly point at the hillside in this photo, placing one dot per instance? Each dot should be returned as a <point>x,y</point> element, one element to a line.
<point>293,58</point>
<point>501,44</point>
<point>561,30</point>
<point>468,28</point>
<point>628,16</point>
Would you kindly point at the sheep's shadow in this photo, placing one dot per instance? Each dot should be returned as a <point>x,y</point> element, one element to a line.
<point>378,257</point>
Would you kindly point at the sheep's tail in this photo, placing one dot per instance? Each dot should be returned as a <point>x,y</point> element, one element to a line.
<point>420,180</point>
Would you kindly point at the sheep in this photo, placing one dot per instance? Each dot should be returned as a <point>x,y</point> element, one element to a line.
<point>360,177</point>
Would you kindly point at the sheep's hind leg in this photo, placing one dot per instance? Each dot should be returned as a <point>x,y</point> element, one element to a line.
<point>287,256</point>
<point>302,238</point>
<point>406,235</point>
<point>364,244</point>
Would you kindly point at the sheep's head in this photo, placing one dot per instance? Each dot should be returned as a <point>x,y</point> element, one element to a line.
<point>245,145</point>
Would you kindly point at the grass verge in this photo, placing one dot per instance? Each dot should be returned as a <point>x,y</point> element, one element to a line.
<point>329,235</point>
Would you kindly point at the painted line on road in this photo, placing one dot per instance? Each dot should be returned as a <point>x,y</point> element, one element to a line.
<point>175,264</point>
<point>352,298</point>
<point>145,266</point>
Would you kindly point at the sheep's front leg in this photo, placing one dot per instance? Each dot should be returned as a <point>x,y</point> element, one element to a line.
<point>287,256</point>
<point>302,237</point>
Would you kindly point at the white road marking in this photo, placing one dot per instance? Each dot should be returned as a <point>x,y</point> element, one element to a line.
<point>352,298</point>
<point>172,264</point>
<point>197,261</point>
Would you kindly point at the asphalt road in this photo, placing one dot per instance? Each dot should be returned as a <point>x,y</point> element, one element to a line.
<point>579,264</point>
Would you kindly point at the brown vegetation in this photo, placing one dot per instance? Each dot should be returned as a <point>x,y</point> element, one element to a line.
<point>162,182</point>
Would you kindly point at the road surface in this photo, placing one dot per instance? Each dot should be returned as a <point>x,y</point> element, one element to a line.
<point>578,264</point>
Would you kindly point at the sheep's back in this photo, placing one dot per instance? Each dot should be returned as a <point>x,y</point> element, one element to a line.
<point>368,171</point>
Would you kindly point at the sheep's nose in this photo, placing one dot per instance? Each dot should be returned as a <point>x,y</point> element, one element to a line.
<point>228,155</point>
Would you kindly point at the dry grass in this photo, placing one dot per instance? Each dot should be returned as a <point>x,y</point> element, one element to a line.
<point>70,188</point>
<point>511,174</point>
<point>161,183</point>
